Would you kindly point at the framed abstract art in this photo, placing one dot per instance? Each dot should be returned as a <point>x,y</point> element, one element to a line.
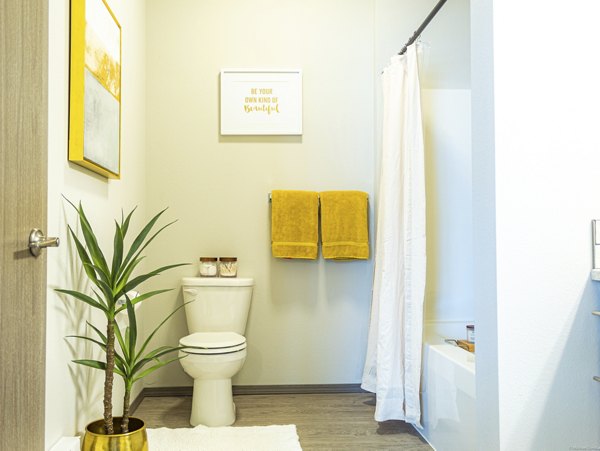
<point>95,88</point>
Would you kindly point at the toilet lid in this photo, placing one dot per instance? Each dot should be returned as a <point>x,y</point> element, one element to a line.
<point>213,343</point>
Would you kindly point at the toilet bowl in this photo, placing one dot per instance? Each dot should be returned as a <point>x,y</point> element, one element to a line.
<point>212,359</point>
<point>215,350</point>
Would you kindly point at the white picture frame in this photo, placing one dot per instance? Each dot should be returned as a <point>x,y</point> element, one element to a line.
<point>261,102</point>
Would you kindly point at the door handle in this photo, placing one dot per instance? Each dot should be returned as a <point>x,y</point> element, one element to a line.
<point>37,241</point>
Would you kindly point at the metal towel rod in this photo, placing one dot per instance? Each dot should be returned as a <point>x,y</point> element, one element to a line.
<point>270,198</point>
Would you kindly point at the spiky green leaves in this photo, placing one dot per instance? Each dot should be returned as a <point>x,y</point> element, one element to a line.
<point>114,282</point>
<point>110,284</point>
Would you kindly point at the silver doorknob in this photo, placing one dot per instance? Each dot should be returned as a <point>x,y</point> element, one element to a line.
<point>37,241</point>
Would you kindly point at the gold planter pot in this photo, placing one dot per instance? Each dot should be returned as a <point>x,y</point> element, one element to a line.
<point>96,440</point>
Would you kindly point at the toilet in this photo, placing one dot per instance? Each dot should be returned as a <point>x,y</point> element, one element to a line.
<point>216,310</point>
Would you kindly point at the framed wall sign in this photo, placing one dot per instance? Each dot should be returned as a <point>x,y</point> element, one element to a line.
<point>95,88</point>
<point>261,102</point>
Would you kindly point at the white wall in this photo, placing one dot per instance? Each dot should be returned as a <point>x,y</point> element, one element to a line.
<point>484,223</point>
<point>74,394</point>
<point>447,130</point>
<point>309,320</point>
<point>546,172</point>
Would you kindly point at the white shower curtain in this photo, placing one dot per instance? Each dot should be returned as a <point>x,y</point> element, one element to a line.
<point>393,363</point>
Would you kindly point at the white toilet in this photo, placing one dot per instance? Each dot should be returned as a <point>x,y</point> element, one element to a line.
<point>215,350</point>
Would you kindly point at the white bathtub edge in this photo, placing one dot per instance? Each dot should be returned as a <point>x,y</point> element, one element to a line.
<point>448,397</point>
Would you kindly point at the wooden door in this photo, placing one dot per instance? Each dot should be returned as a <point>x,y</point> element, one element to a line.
<point>23,192</point>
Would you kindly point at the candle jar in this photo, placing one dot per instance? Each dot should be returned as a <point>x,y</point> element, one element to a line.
<point>228,267</point>
<point>208,266</point>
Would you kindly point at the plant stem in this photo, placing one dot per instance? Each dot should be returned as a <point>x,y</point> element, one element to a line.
<point>109,376</point>
<point>125,418</point>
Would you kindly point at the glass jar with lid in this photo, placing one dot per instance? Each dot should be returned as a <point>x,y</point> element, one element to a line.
<point>208,266</point>
<point>228,266</point>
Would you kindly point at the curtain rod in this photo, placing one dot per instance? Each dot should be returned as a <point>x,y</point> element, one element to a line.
<point>417,33</point>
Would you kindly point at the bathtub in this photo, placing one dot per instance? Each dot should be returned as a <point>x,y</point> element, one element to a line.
<point>448,398</point>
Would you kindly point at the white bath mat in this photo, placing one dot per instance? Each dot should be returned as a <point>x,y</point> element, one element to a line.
<point>202,438</point>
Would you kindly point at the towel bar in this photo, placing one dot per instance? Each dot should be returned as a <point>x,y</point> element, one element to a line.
<point>270,199</point>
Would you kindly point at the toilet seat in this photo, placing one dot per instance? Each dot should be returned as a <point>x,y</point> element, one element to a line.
<point>207,343</point>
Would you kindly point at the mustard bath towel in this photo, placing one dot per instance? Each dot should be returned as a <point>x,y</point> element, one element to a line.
<point>294,224</point>
<point>344,225</point>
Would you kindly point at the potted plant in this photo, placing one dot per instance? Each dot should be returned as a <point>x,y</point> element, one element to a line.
<point>111,288</point>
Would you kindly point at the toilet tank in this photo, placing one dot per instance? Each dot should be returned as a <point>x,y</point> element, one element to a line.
<point>217,304</point>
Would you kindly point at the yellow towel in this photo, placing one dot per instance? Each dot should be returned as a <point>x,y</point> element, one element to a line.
<point>294,224</point>
<point>344,225</point>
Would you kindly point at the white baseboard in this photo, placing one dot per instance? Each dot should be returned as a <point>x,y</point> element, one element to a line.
<point>67,444</point>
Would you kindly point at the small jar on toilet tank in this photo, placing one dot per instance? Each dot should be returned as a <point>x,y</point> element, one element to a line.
<point>208,266</point>
<point>228,266</point>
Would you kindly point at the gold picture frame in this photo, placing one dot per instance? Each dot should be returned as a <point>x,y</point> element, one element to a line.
<point>95,88</point>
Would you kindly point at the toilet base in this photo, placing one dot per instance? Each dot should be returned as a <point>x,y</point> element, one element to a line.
<point>212,403</point>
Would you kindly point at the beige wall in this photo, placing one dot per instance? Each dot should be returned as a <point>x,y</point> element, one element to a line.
<point>74,394</point>
<point>308,320</point>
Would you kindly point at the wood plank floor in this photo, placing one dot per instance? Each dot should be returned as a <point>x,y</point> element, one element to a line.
<point>324,421</point>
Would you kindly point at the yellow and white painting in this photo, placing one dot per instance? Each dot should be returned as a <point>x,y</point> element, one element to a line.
<point>102,86</point>
<point>103,46</point>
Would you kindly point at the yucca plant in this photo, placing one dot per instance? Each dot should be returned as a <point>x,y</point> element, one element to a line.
<point>129,361</point>
<point>109,285</point>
